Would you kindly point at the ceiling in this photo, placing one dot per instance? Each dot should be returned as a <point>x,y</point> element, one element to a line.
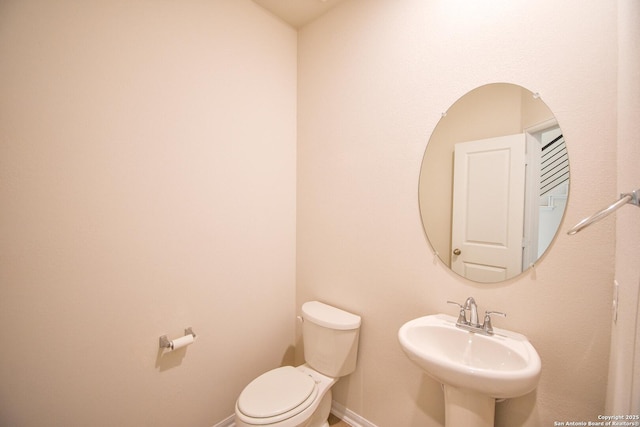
<point>297,13</point>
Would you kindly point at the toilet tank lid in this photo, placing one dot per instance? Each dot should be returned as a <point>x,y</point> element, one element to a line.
<point>329,316</point>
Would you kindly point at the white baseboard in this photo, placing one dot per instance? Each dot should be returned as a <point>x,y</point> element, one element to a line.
<point>336,409</point>
<point>349,416</point>
<point>227,422</point>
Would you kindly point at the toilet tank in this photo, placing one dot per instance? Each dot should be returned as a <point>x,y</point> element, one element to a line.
<point>330,338</point>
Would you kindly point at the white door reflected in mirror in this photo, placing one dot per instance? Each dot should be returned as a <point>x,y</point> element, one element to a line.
<point>488,208</point>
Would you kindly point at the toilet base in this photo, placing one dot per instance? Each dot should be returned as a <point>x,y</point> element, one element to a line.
<point>320,417</point>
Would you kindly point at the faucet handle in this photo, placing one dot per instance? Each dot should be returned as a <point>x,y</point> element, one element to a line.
<point>487,326</point>
<point>462,316</point>
<point>499,313</point>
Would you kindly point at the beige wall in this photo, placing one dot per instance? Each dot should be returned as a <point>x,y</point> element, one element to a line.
<point>374,78</point>
<point>147,184</point>
<point>624,373</point>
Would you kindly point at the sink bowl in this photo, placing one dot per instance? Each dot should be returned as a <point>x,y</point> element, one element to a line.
<point>503,365</point>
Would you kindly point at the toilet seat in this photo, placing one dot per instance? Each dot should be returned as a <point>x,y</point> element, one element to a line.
<point>277,395</point>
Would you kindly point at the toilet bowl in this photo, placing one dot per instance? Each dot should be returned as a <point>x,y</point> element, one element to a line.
<point>301,396</point>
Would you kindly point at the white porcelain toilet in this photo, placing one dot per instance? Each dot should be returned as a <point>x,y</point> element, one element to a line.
<point>301,396</point>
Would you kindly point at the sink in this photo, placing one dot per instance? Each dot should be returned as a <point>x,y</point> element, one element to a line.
<point>503,365</point>
<point>475,369</point>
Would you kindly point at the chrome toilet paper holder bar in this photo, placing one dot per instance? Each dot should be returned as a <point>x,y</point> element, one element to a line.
<point>166,343</point>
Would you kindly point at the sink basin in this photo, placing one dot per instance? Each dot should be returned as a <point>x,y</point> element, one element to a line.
<point>503,365</point>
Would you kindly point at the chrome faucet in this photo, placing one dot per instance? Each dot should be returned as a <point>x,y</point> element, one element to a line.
<point>472,325</point>
<point>470,304</point>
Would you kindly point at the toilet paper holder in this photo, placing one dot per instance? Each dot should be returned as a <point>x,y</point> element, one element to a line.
<point>166,343</point>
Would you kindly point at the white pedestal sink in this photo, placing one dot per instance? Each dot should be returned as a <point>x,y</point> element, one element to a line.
<point>475,369</point>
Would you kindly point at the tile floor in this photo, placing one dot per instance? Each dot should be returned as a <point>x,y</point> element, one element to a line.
<point>337,422</point>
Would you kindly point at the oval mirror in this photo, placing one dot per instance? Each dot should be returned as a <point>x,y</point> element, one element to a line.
<point>494,183</point>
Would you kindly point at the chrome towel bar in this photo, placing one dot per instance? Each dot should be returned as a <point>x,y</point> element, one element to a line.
<point>625,198</point>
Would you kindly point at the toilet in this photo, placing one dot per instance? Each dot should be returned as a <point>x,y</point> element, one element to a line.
<point>301,396</point>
